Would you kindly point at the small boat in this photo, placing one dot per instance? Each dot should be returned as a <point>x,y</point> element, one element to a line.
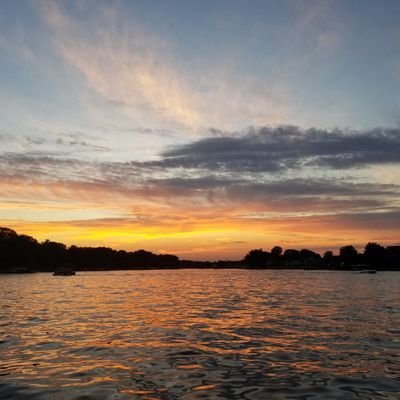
<point>64,271</point>
<point>368,271</point>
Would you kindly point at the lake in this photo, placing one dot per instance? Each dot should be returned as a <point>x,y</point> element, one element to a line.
<point>200,334</point>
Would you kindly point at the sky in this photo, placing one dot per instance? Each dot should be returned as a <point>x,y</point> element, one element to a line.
<point>202,129</point>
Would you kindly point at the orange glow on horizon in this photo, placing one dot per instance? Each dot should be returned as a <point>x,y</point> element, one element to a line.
<point>206,239</point>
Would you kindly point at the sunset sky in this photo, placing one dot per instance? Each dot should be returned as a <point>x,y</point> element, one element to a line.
<point>201,128</point>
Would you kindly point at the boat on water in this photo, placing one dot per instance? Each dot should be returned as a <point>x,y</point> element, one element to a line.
<point>368,271</point>
<point>64,271</point>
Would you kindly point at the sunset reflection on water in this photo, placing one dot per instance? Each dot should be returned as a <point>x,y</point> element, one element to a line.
<point>192,334</point>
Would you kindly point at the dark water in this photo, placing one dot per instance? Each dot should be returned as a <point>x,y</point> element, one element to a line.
<point>193,334</point>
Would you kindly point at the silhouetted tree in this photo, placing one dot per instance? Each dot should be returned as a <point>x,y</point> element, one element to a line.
<point>7,233</point>
<point>309,258</point>
<point>256,258</point>
<point>328,258</point>
<point>393,257</point>
<point>17,251</point>
<point>167,261</point>
<point>306,254</point>
<point>348,255</point>
<point>375,254</point>
<point>276,251</point>
<point>52,255</point>
<point>292,257</point>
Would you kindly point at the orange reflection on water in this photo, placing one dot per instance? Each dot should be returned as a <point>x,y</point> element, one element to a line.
<point>145,333</point>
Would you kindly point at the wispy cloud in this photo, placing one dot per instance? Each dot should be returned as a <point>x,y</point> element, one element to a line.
<point>125,65</point>
<point>140,74</point>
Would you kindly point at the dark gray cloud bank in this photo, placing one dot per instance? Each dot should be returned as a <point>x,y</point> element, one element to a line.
<point>276,149</point>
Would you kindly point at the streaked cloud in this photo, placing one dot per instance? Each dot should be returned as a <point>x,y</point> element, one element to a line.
<point>236,175</point>
<point>123,64</point>
<point>136,72</point>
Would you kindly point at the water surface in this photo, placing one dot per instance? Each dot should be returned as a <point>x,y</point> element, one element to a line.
<point>200,334</point>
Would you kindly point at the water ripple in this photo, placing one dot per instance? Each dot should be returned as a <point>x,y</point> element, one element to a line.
<point>195,334</point>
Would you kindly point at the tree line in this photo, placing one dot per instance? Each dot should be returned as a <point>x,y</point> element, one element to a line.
<point>374,256</point>
<point>22,253</point>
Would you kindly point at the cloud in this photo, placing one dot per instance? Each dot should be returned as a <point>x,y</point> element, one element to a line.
<point>251,185</point>
<point>373,221</point>
<point>236,157</point>
<point>6,137</point>
<point>53,144</point>
<point>145,185</point>
<point>136,73</point>
<point>288,147</point>
<point>225,160</point>
<point>127,66</point>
